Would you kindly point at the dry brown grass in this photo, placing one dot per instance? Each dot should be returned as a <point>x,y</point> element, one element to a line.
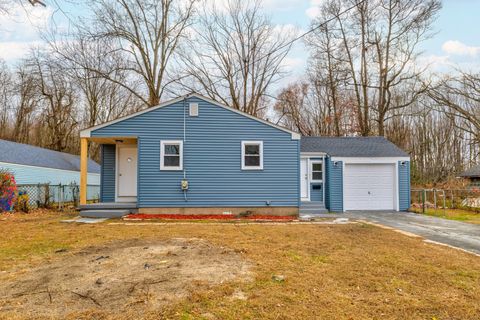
<point>469,216</point>
<point>354,271</point>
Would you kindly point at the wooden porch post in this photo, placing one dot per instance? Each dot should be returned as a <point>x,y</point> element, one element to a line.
<point>83,170</point>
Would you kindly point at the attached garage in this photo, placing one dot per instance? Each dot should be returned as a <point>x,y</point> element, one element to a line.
<point>360,173</point>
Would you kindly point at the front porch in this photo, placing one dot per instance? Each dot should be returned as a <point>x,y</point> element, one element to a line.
<point>121,171</point>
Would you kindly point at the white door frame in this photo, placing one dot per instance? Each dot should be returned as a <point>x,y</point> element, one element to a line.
<point>367,160</point>
<point>310,161</point>
<point>310,175</point>
<point>117,197</point>
<point>308,179</point>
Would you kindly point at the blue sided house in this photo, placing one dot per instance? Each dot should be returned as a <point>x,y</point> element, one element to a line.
<point>193,155</point>
<point>34,165</point>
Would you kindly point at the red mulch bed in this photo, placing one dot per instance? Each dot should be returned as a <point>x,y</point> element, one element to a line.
<point>207,217</point>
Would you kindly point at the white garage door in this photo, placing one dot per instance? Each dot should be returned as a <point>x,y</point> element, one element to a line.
<point>369,186</point>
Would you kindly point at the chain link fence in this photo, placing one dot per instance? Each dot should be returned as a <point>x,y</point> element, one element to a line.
<point>442,199</point>
<point>53,196</point>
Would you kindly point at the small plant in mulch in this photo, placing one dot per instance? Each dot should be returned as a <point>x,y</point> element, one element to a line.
<point>8,191</point>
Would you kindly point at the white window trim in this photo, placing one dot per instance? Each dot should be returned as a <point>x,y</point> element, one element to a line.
<point>162,155</point>
<point>311,171</point>
<point>260,167</point>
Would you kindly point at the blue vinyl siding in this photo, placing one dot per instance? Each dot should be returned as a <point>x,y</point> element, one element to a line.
<point>334,186</point>
<point>404,185</point>
<point>316,192</point>
<point>212,158</point>
<point>107,187</point>
<point>34,175</point>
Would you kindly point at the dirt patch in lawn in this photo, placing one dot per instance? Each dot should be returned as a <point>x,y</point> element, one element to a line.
<point>133,274</point>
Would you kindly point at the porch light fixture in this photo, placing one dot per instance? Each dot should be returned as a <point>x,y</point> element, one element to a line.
<point>118,141</point>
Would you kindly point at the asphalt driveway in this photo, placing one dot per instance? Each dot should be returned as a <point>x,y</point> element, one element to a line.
<point>454,233</point>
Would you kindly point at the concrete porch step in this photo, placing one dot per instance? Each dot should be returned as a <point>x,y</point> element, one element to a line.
<point>108,206</point>
<point>106,213</point>
<point>313,204</point>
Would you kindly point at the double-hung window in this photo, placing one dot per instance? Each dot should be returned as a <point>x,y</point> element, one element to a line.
<point>171,155</point>
<point>252,155</point>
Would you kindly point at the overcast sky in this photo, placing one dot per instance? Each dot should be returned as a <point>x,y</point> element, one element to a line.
<point>457,41</point>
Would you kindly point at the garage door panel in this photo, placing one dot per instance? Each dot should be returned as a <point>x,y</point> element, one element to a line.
<point>369,186</point>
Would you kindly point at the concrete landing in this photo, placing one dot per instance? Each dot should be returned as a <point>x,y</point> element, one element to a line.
<point>107,213</point>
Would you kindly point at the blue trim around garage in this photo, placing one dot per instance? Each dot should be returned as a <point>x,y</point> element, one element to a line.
<point>334,185</point>
<point>404,185</point>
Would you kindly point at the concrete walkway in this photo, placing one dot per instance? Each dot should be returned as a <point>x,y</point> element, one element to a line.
<point>453,233</point>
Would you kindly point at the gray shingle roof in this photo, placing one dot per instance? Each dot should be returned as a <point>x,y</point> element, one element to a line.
<point>352,146</point>
<point>12,152</point>
<point>473,172</point>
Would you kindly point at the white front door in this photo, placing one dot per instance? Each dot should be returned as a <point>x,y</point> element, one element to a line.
<point>369,186</point>
<point>126,173</point>
<point>304,179</point>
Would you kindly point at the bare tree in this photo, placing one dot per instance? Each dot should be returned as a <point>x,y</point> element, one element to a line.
<point>459,96</point>
<point>377,43</point>
<point>147,34</point>
<point>291,106</point>
<point>6,5</point>
<point>438,147</point>
<point>402,26</point>
<point>101,99</point>
<point>327,73</point>
<point>6,96</point>
<point>104,100</point>
<point>28,103</point>
<point>57,95</point>
<point>236,55</point>
<point>305,107</point>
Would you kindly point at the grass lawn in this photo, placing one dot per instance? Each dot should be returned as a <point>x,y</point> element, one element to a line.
<point>451,214</point>
<point>352,271</point>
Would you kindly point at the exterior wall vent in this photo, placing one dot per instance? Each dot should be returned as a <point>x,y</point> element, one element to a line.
<point>193,109</point>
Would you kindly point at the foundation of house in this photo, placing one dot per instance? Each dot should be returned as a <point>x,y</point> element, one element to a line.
<point>241,211</point>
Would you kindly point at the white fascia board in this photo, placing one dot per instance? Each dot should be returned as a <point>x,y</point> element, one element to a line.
<point>312,154</point>
<point>86,132</point>
<point>295,135</point>
<point>370,159</point>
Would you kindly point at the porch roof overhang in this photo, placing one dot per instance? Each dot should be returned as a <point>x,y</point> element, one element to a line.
<point>312,154</point>
<point>113,140</point>
<point>84,157</point>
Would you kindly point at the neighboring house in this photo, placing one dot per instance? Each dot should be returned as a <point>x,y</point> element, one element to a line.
<point>473,175</point>
<point>193,155</point>
<point>35,165</point>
